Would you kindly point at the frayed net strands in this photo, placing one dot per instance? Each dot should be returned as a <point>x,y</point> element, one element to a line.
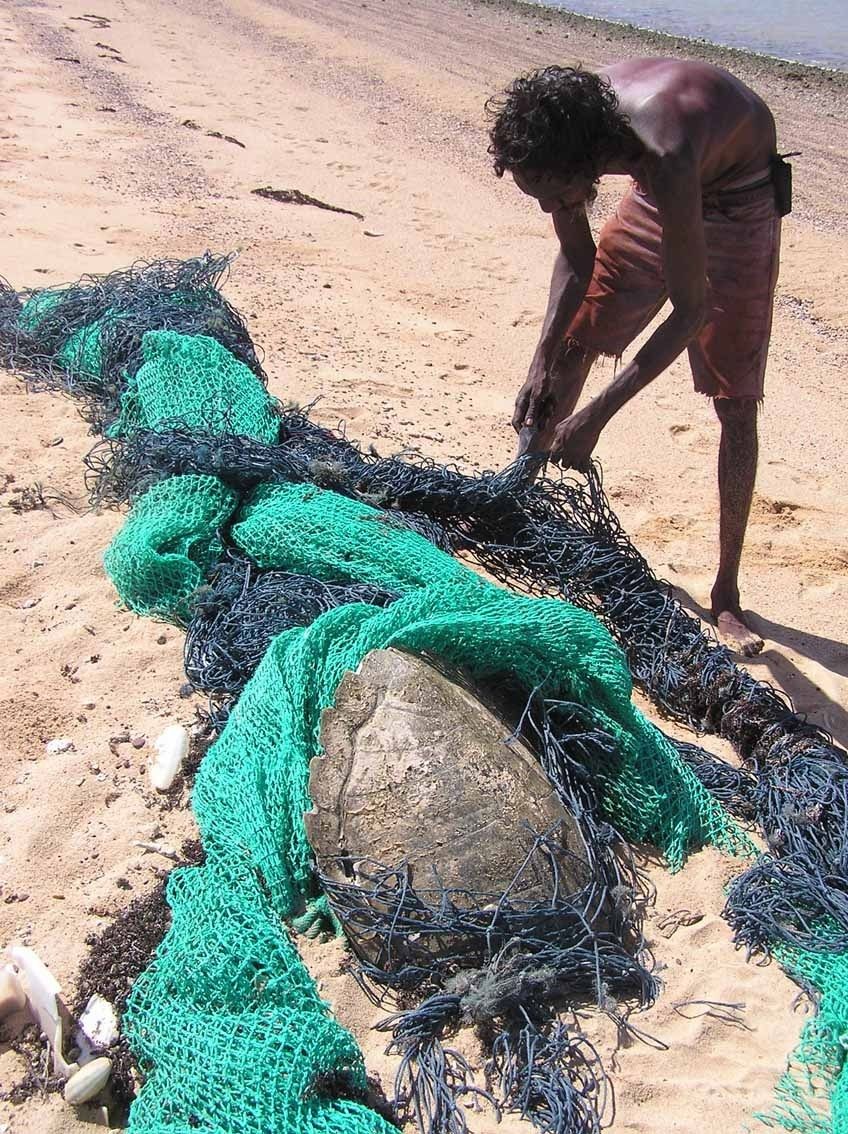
<point>241,610</point>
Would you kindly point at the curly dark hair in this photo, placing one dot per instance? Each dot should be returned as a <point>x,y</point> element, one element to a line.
<point>561,120</point>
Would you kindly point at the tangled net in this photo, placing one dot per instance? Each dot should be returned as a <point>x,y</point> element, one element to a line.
<point>85,340</point>
<point>105,340</point>
<point>547,536</point>
<point>239,613</point>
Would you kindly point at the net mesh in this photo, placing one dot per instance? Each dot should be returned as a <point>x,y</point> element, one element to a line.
<point>162,554</point>
<point>226,1023</point>
<point>195,380</point>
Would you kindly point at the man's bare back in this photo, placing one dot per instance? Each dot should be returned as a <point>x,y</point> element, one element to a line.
<point>730,128</point>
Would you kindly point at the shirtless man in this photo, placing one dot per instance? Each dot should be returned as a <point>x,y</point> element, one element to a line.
<point>700,226</point>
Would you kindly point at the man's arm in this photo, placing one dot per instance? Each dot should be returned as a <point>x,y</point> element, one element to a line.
<point>676,187</point>
<point>569,281</point>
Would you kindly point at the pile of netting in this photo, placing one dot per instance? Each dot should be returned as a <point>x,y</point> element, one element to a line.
<point>289,554</point>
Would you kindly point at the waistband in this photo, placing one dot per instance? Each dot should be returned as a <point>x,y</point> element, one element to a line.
<point>737,190</point>
<point>760,190</point>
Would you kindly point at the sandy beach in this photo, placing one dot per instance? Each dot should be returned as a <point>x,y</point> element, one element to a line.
<point>139,133</point>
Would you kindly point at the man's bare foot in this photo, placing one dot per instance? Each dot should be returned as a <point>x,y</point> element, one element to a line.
<point>734,634</point>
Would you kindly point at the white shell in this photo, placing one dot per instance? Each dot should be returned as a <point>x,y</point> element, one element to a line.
<point>98,1025</point>
<point>171,749</point>
<point>12,995</point>
<point>88,1081</point>
<point>60,744</point>
<point>42,991</point>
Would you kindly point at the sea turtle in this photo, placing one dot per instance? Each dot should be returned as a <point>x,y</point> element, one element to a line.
<point>416,769</point>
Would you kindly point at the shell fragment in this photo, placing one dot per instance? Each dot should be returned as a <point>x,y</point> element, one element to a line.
<point>42,991</point>
<point>88,1081</point>
<point>171,749</point>
<point>98,1026</point>
<point>59,745</point>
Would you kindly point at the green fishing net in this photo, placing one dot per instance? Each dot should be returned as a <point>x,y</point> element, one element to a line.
<point>161,555</point>
<point>193,380</point>
<point>226,1023</point>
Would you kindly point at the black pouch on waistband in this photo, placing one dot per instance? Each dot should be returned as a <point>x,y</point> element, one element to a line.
<point>781,176</point>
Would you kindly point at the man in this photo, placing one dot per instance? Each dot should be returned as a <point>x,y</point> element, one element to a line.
<point>700,226</point>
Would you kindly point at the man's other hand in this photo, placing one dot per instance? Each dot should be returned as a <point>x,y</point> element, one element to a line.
<point>575,440</point>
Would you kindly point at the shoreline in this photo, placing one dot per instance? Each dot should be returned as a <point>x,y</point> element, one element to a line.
<point>754,62</point>
<point>698,41</point>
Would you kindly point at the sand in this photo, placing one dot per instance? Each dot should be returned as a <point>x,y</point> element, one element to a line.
<point>415,328</point>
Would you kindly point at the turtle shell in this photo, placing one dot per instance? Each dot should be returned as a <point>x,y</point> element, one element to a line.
<point>416,769</point>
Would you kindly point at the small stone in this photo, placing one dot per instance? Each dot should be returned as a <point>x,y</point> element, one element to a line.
<point>88,1081</point>
<point>138,741</point>
<point>59,745</point>
<point>186,690</point>
<point>88,705</point>
<point>371,232</point>
<point>460,366</point>
<point>28,603</point>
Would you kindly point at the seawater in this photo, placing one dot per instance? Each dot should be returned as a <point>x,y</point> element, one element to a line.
<point>806,31</point>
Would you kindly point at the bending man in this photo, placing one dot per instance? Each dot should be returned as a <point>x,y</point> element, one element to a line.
<point>700,226</point>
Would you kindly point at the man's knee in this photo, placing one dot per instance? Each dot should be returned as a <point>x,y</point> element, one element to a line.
<point>737,413</point>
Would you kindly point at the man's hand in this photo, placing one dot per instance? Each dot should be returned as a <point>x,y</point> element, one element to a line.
<point>535,398</point>
<point>575,440</point>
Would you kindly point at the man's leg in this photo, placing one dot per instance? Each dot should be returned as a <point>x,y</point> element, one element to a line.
<point>569,372</point>
<point>737,470</point>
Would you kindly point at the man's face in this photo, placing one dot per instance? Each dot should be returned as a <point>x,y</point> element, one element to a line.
<point>554,191</point>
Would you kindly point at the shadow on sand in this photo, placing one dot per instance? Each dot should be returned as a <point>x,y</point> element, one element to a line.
<point>774,666</point>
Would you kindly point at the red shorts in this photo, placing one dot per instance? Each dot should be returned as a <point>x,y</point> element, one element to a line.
<point>627,289</point>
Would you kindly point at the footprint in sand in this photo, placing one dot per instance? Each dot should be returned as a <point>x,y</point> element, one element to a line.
<point>385,184</point>
<point>457,335</point>
<point>527,318</point>
<point>696,438</point>
<point>346,413</point>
